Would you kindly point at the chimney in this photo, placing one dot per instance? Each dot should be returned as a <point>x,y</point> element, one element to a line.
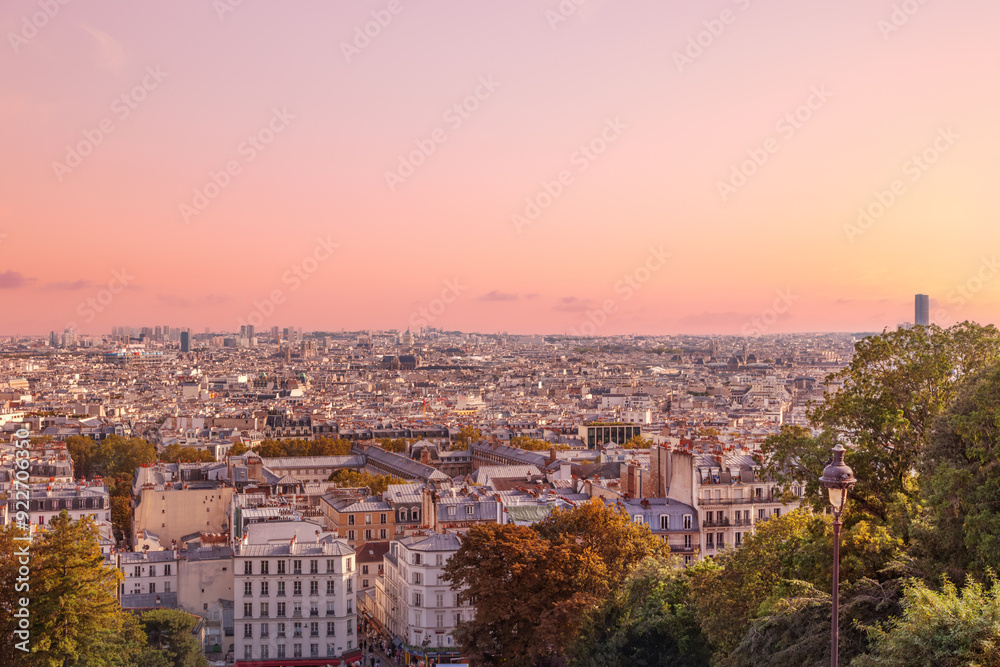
<point>552,454</point>
<point>425,456</point>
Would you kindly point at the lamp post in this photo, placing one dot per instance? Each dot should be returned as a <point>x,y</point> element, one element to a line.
<point>838,478</point>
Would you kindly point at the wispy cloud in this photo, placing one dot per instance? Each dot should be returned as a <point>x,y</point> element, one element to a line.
<point>110,52</point>
<point>496,295</point>
<point>13,280</point>
<point>572,304</point>
<point>68,285</point>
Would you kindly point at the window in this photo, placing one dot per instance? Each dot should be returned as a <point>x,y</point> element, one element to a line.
<point>314,609</point>
<point>350,610</point>
<point>138,571</point>
<point>264,630</point>
<point>264,588</point>
<point>439,560</point>
<point>720,540</point>
<point>329,587</point>
<point>281,627</point>
<point>152,587</point>
<point>247,588</point>
<point>265,609</point>
<point>314,629</point>
<point>350,565</point>
<point>314,650</point>
<point>439,618</point>
<point>439,600</point>
<point>350,535</point>
<point>263,567</point>
<point>166,587</point>
<point>350,519</point>
<point>329,649</point>
<point>152,570</point>
<point>687,560</point>
<point>247,609</point>
<point>329,608</point>
<point>458,617</point>
<point>451,510</point>
<point>777,511</point>
<point>296,567</point>
<point>470,510</point>
<point>296,630</point>
<point>739,539</point>
<point>264,651</point>
<point>297,651</point>
<point>281,567</point>
<point>637,518</point>
<point>710,540</point>
<point>402,514</point>
<point>297,588</point>
<point>761,515</point>
<point>248,567</point>
<point>281,588</point>
<point>329,567</point>
<point>687,541</point>
<point>664,522</point>
<point>314,567</point>
<point>687,522</point>
<point>313,588</point>
<point>364,569</point>
<point>364,583</point>
<point>382,518</point>
<point>368,519</point>
<point>350,585</point>
<point>416,559</point>
<point>281,650</point>
<point>248,650</point>
<point>368,535</point>
<point>281,613</point>
<point>417,599</point>
<point>248,629</point>
<point>331,629</point>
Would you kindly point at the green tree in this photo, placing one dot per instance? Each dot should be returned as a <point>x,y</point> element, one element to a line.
<point>378,484</point>
<point>119,457</point>
<point>168,632</point>
<point>467,435</point>
<point>940,629</point>
<point>76,619</point>
<point>395,445</point>
<point>238,449</point>
<point>648,621</point>
<point>961,481</point>
<point>9,593</point>
<point>83,451</point>
<point>535,445</point>
<point>638,442</point>
<point>174,453</point>
<point>895,386</point>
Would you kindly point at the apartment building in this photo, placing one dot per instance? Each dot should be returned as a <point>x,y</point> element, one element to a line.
<point>414,602</point>
<point>294,600</point>
<point>150,579</point>
<point>359,520</point>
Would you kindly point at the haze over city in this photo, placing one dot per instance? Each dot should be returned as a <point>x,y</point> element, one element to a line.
<point>688,165</point>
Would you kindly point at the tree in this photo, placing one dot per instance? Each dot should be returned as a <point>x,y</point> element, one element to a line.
<point>940,629</point>
<point>83,451</point>
<point>532,587</point>
<point>174,453</point>
<point>466,436</point>
<point>396,445</point>
<point>794,457</point>
<point>299,447</point>
<point>535,445</point>
<point>118,458</point>
<point>895,386</point>
<point>377,484</point>
<point>638,442</point>
<point>648,621</point>
<point>75,615</point>
<point>238,449</point>
<point>961,476</point>
<point>9,593</point>
<point>168,632</point>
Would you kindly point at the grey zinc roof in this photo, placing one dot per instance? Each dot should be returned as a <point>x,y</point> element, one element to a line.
<point>436,542</point>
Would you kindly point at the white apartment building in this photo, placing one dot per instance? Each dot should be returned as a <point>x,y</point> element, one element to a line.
<point>150,579</point>
<point>415,602</point>
<point>294,600</point>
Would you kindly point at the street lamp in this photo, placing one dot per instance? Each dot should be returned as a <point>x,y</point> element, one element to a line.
<point>838,478</point>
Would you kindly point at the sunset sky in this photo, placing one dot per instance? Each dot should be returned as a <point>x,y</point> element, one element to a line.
<point>116,115</point>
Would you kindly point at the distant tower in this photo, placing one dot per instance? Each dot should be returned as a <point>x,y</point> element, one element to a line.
<point>185,341</point>
<point>922,316</point>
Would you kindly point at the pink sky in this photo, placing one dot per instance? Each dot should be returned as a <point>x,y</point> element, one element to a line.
<point>197,84</point>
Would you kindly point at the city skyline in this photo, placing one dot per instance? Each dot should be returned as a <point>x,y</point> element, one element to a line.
<point>700,166</point>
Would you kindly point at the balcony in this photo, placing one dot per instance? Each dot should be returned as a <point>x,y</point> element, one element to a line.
<point>715,524</point>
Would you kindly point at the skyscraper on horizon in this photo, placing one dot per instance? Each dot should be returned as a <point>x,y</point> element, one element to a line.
<point>922,311</point>
<point>185,341</point>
